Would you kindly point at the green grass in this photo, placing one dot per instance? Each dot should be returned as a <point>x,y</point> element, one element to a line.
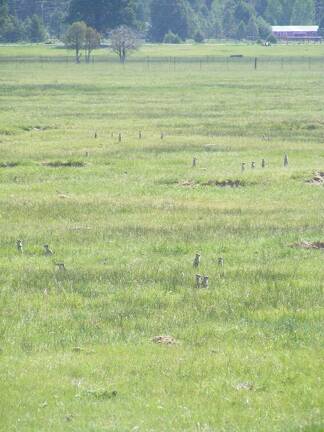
<point>221,49</point>
<point>76,351</point>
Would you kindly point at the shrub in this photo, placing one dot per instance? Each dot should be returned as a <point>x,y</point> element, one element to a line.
<point>264,28</point>
<point>171,38</point>
<point>272,39</point>
<point>199,37</point>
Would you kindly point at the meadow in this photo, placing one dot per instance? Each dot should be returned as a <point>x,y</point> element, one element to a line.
<point>127,216</point>
<point>219,49</point>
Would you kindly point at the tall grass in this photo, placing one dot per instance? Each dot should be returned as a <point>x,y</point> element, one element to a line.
<point>127,218</point>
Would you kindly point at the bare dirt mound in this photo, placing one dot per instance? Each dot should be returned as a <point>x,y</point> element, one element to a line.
<point>8,164</point>
<point>164,340</point>
<point>244,386</point>
<point>309,245</point>
<point>318,179</point>
<point>224,183</point>
<point>214,183</point>
<point>67,164</point>
<point>189,183</point>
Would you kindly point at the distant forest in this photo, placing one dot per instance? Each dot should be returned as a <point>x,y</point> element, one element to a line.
<point>37,20</point>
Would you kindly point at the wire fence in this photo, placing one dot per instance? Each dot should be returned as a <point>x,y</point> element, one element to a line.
<point>174,62</point>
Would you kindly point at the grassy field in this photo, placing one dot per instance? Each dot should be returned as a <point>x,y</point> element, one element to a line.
<point>181,50</point>
<point>126,219</point>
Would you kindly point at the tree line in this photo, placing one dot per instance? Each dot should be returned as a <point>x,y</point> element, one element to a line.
<point>157,20</point>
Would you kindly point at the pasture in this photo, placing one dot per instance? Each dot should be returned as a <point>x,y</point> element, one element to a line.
<point>220,49</point>
<point>126,217</point>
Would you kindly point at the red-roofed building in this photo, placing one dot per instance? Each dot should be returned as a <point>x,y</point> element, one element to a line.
<point>296,33</point>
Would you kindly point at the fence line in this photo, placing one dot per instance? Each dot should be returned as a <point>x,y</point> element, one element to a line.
<point>201,61</point>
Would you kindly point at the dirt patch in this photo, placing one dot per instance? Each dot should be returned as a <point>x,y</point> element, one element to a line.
<point>101,394</point>
<point>318,179</point>
<point>79,228</point>
<point>67,164</point>
<point>244,386</point>
<point>164,340</point>
<point>309,245</point>
<point>8,164</point>
<point>188,183</point>
<point>224,183</point>
<point>80,350</point>
<point>214,183</point>
<point>37,128</point>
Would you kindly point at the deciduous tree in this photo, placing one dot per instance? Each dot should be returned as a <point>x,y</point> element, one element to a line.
<point>75,38</point>
<point>123,41</point>
<point>92,41</point>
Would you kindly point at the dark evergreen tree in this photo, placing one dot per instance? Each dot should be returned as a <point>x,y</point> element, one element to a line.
<point>241,31</point>
<point>319,10</point>
<point>321,27</point>
<point>15,30</point>
<point>57,25</point>
<point>4,17</point>
<point>243,12</point>
<point>187,18</point>
<point>230,27</point>
<point>36,31</point>
<point>261,6</point>
<point>8,30</point>
<point>286,11</point>
<point>274,12</point>
<point>252,31</point>
<point>303,12</point>
<point>215,25</point>
<point>169,15</point>
<point>103,15</point>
